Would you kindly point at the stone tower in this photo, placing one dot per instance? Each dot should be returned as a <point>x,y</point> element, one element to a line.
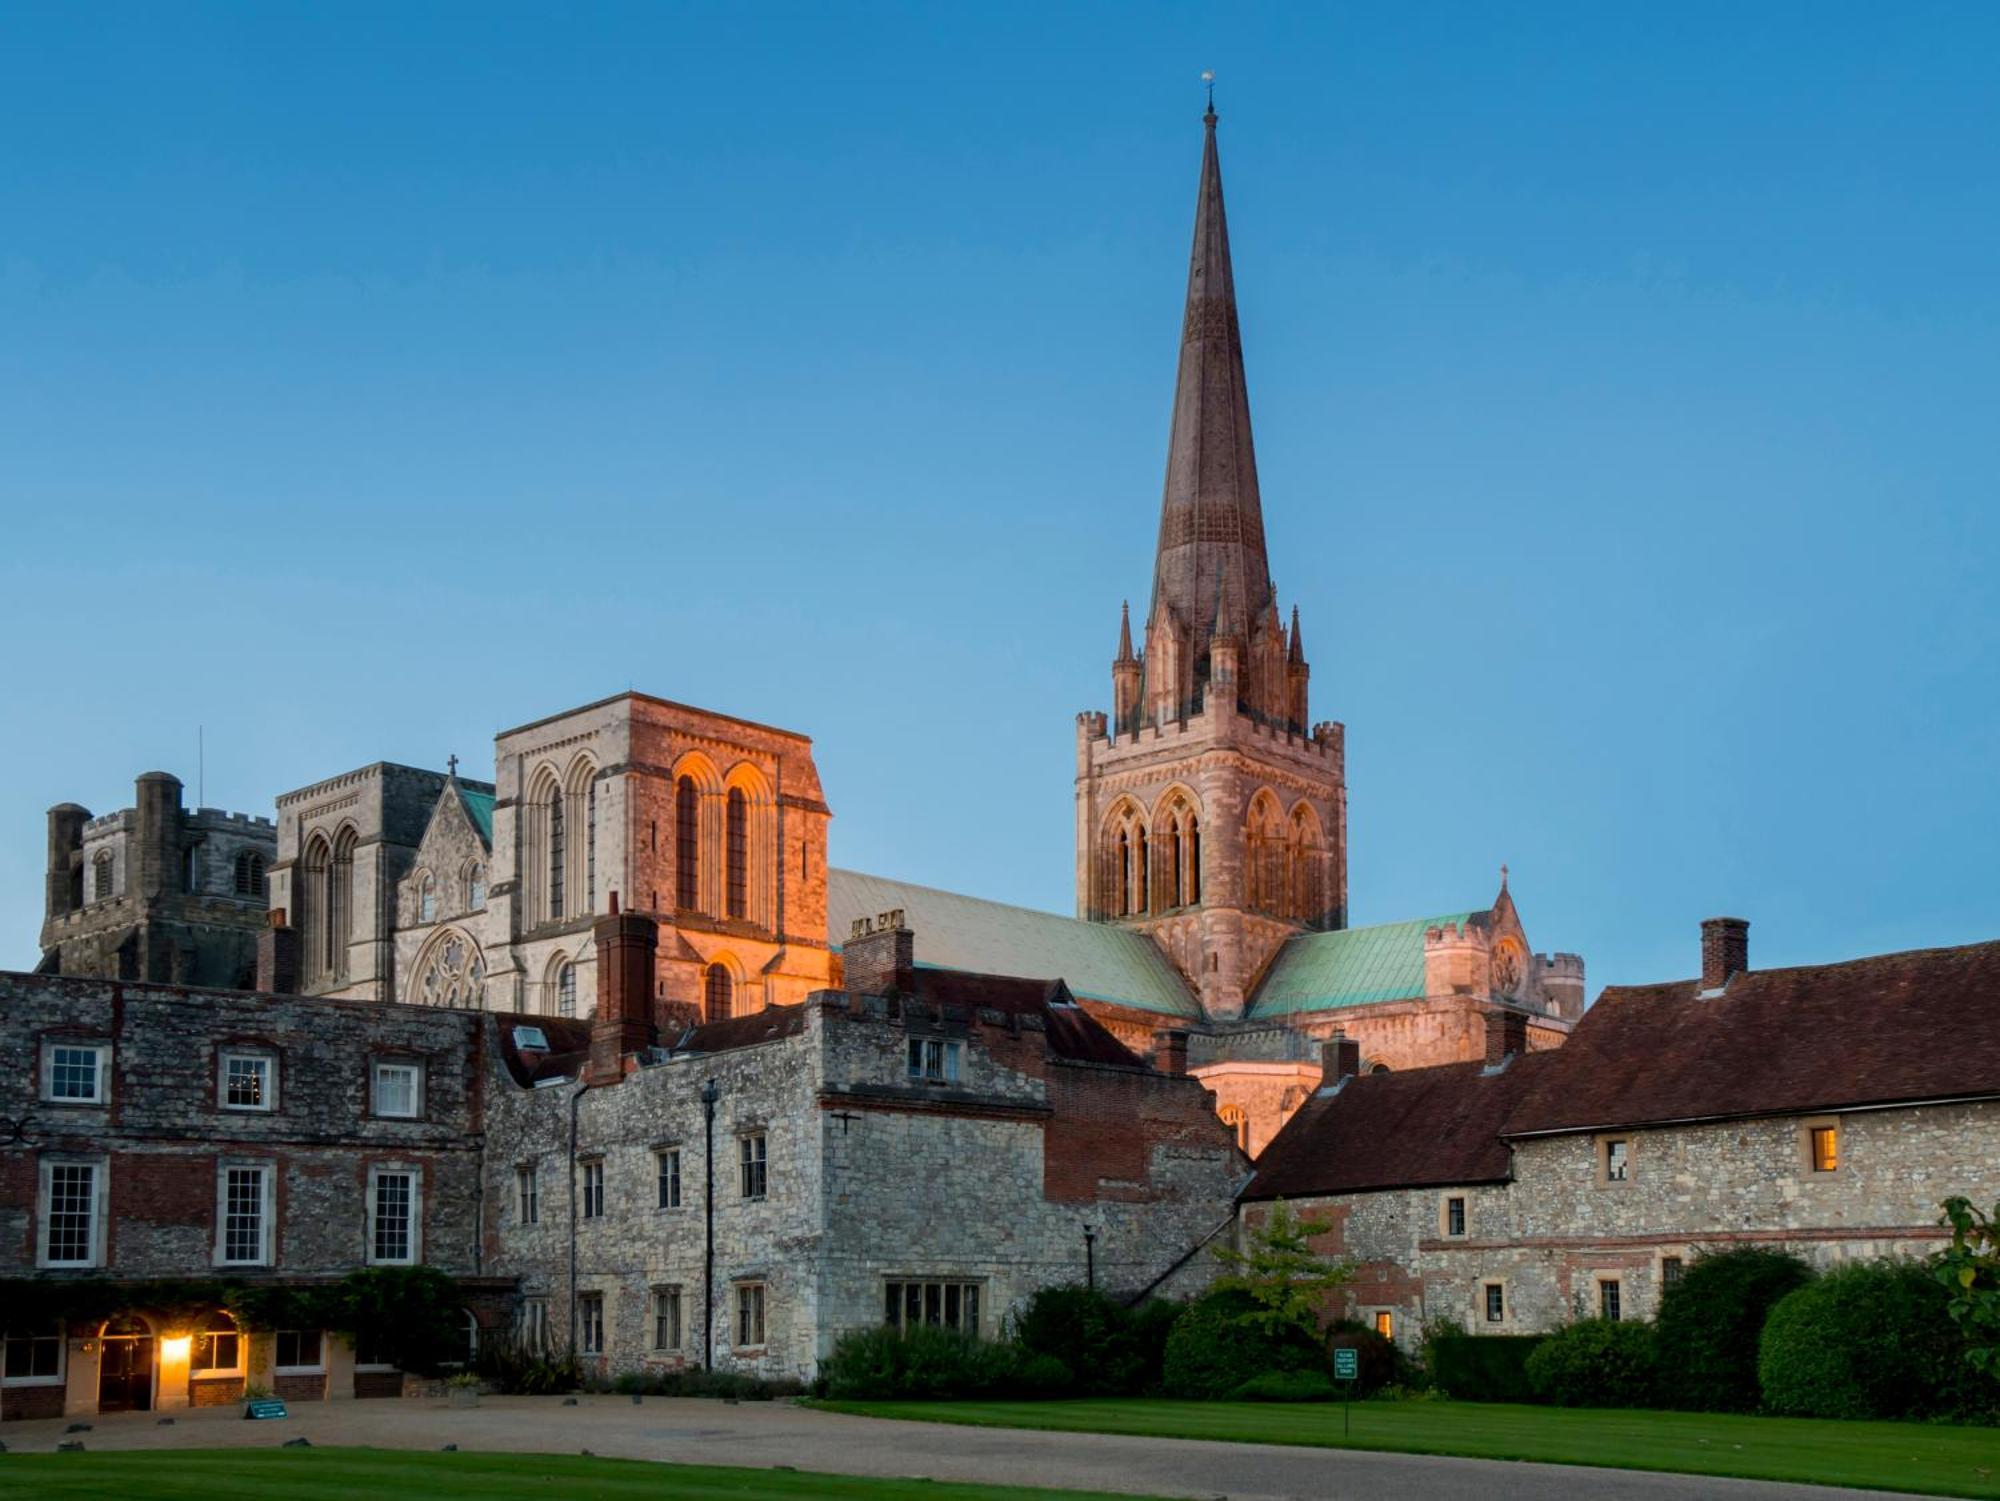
<point>1207,813</point>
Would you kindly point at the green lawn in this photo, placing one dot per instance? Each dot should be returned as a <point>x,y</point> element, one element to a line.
<point>343,1474</point>
<point>1885,1456</point>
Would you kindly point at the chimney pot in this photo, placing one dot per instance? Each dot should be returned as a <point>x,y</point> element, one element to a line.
<point>1725,950</point>
<point>1506,1035</point>
<point>881,962</point>
<point>1339,1058</point>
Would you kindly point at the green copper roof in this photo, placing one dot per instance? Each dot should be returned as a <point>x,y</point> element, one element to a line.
<point>1098,962</point>
<point>479,808</point>
<point>1325,971</point>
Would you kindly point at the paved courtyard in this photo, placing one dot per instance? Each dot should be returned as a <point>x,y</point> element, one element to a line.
<point>780,1434</point>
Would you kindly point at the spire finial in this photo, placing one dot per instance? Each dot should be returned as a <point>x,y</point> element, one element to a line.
<point>1208,77</point>
<point>1503,875</point>
<point>451,763</point>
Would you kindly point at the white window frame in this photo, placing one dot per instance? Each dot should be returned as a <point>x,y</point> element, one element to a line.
<point>415,1174</point>
<point>318,1369</point>
<point>591,1196</point>
<point>102,1081</point>
<point>219,1372</point>
<point>534,1323</point>
<point>659,1295</point>
<point>1480,1318</point>
<point>371,1367</point>
<point>1601,1280</point>
<point>264,1056</point>
<point>61,1376</point>
<point>100,1188</point>
<point>528,1193</point>
<point>967,1289</point>
<point>744,1290</point>
<point>382,1066</point>
<point>934,1060</point>
<point>664,1159</point>
<point>1445,1232</point>
<point>267,1211</point>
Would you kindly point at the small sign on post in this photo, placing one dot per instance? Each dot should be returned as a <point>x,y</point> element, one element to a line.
<point>1347,1368</point>
<point>265,1407</point>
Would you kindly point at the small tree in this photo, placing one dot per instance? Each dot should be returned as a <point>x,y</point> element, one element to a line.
<point>1281,1273</point>
<point>1970,1271</point>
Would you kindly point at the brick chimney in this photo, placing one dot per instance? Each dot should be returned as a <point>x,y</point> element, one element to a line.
<point>278,956</point>
<point>1339,1058</point>
<point>1170,1050</point>
<point>1725,950</point>
<point>626,943</point>
<point>1506,1035</point>
<point>880,956</point>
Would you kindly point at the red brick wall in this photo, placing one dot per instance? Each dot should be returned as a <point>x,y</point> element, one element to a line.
<point>215,1393</point>
<point>299,1388</point>
<point>21,1402</point>
<point>1099,1143</point>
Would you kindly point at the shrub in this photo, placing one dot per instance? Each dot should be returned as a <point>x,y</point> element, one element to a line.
<point>1152,1325</point>
<point>926,1362</point>
<point>1871,1340</point>
<point>1378,1362</point>
<point>1596,1363</point>
<point>1215,1347</point>
<point>1710,1322</point>
<point>1091,1336</point>
<point>731,1385</point>
<point>1286,1386</point>
<point>1483,1367</point>
<point>520,1372</point>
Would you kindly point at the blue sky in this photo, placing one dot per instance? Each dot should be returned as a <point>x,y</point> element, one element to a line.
<point>376,377</point>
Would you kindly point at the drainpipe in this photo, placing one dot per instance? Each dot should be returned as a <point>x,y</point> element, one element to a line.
<point>575,1097</point>
<point>710,1093</point>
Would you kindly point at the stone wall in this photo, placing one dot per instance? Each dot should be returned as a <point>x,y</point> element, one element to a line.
<point>1560,1229</point>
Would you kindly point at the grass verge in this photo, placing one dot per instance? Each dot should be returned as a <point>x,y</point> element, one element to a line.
<point>341,1474</point>
<point>1925,1458</point>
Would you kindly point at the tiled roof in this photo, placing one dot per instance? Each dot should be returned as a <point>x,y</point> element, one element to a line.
<point>1072,1032</point>
<point>1353,967</point>
<point>1897,1027</point>
<point>1422,1127</point>
<point>479,808</point>
<point>1097,961</point>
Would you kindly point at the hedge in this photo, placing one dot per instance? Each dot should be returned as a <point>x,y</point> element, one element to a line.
<point>1109,1350</point>
<point>1597,1363</point>
<point>1211,1352</point>
<point>929,1362</point>
<point>1710,1322</point>
<point>1484,1367</point>
<point>1871,1340</point>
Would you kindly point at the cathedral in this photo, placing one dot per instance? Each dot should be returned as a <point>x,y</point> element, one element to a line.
<point>1212,897</point>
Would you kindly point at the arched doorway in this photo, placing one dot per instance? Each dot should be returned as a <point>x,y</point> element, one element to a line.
<point>125,1366</point>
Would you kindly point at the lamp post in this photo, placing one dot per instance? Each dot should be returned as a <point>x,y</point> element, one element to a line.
<point>710,1093</point>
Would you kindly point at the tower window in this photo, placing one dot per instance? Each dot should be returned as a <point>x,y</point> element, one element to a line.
<point>250,879</point>
<point>100,878</point>
<point>739,854</point>
<point>687,845</point>
<point>717,1002</point>
<point>590,849</point>
<point>557,852</point>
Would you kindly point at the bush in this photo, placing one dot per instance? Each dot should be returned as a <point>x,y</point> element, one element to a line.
<point>733,1385</point>
<point>520,1372</point>
<point>1152,1325</point>
<point>1093,1338</point>
<point>1483,1367</point>
<point>1286,1386</point>
<point>1211,1351</point>
<point>1378,1362</point>
<point>1710,1322</point>
<point>928,1362</point>
<point>1596,1363</point>
<point>1872,1340</point>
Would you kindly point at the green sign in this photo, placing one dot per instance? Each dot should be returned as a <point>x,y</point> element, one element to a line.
<point>1346,1365</point>
<point>265,1407</point>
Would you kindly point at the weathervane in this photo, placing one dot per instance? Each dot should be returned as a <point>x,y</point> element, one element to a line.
<point>1208,77</point>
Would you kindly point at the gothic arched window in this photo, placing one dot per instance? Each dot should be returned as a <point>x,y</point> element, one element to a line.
<point>451,973</point>
<point>475,888</point>
<point>738,846</point>
<point>718,995</point>
<point>557,852</point>
<point>427,899</point>
<point>687,845</point>
<point>566,990</point>
<point>590,847</point>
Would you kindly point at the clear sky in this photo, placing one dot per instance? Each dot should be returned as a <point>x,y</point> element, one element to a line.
<point>377,377</point>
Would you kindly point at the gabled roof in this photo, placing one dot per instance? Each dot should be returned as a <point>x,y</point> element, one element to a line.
<point>1425,1127</point>
<point>1353,967</point>
<point>1098,962</point>
<point>1921,1025</point>
<point>1072,1032</point>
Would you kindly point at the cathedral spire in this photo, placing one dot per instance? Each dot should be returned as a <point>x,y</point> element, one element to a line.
<point>1125,631</point>
<point>1297,654</point>
<point>1211,570</point>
